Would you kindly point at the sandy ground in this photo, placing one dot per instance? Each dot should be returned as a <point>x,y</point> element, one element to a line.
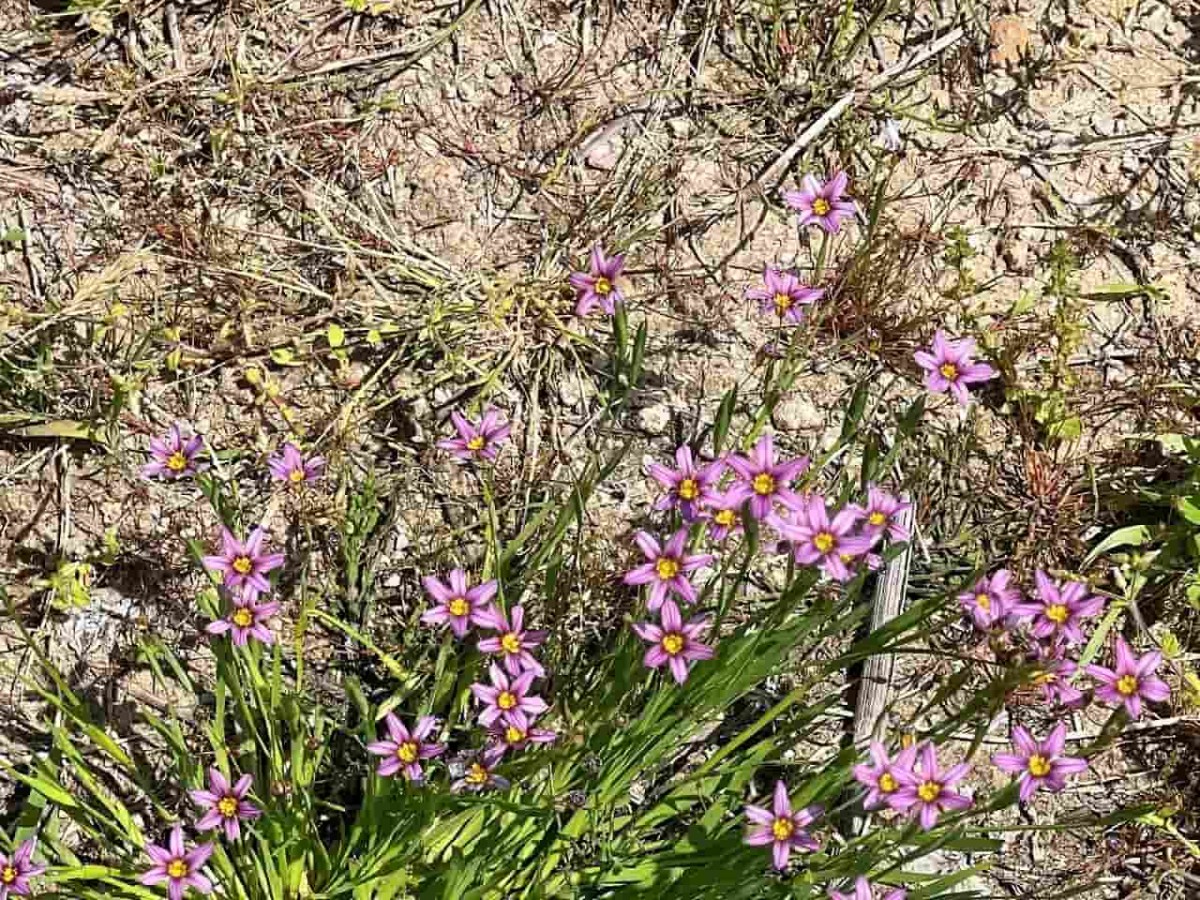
<point>192,194</point>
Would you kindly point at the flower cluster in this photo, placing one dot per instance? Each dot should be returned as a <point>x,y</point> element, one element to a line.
<point>509,707</point>
<point>242,566</point>
<point>913,783</point>
<point>225,807</point>
<point>760,486</point>
<point>1049,624</point>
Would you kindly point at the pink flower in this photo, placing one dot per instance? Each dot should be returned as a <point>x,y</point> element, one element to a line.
<point>173,457</point>
<point>764,481</point>
<point>457,602</point>
<point>290,466</point>
<point>822,203</point>
<point>879,516</point>
<point>247,619</point>
<point>688,487</point>
<point>783,829</point>
<point>477,441</point>
<point>179,867</point>
<point>516,732</point>
<point>675,643</point>
<point>1132,681</point>
<point>406,750</point>
<point>925,792</point>
<point>226,806</point>
<point>880,777</point>
<point>601,285</point>
<point>1039,765</point>
<point>244,565</point>
<point>1053,677</point>
<point>990,601</point>
<point>818,540</point>
<point>724,517</point>
<point>15,871</point>
<point>1058,609</point>
<point>667,569</point>
<point>784,295</point>
<point>862,891</point>
<point>504,698</point>
<point>514,642</point>
<point>478,773</point>
<point>948,367</point>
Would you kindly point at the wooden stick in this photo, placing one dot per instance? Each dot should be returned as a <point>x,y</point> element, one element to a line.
<point>871,713</point>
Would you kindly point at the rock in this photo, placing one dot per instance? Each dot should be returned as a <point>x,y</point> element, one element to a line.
<point>1104,124</point>
<point>467,91</point>
<point>798,414</point>
<point>1015,254</point>
<point>574,392</point>
<point>603,151</point>
<point>680,127</point>
<point>501,85</point>
<point>655,419</point>
<point>398,540</point>
<point>1010,40</point>
<point>428,143</point>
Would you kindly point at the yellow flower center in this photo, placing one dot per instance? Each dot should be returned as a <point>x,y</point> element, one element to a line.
<point>513,734</point>
<point>929,791</point>
<point>887,783</point>
<point>603,286</point>
<point>672,643</point>
<point>243,565</point>
<point>177,868</point>
<point>1039,766</point>
<point>1127,685</point>
<point>228,807</point>
<point>725,517</point>
<point>408,752</point>
<point>949,371</point>
<point>458,606</point>
<point>242,617</point>
<point>507,700</point>
<point>177,462</point>
<point>1057,613</point>
<point>688,489</point>
<point>477,774</point>
<point>296,476</point>
<point>824,542</point>
<point>782,828</point>
<point>983,601</point>
<point>511,643</point>
<point>783,302</point>
<point>476,443</point>
<point>667,568</point>
<point>1044,678</point>
<point>763,484</point>
<point>876,518</point>
<point>821,206</point>
<point>8,875</point>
